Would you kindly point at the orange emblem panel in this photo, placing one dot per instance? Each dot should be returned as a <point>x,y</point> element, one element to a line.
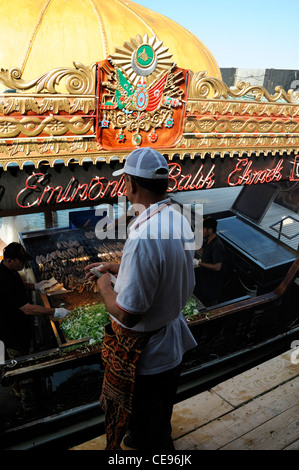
<point>141,97</point>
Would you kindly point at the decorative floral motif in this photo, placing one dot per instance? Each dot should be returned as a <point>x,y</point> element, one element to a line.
<point>153,137</point>
<point>7,127</point>
<point>31,126</point>
<point>169,122</point>
<point>104,123</point>
<point>121,137</point>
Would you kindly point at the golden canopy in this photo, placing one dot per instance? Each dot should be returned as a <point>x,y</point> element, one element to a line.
<point>41,35</point>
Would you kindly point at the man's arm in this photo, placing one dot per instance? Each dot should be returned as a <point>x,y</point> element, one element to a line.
<point>30,309</point>
<point>212,267</point>
<point>29,285</point>
<point>59,312</point>
<point>109,297</point>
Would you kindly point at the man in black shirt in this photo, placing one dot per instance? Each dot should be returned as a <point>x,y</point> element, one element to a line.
<point>209,278</point>
<point>16,311</point>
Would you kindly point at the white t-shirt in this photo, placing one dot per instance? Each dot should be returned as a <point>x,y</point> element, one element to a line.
<point>156,279</point>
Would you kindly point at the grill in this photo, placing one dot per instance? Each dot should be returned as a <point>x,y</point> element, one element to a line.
<point>64,254</point>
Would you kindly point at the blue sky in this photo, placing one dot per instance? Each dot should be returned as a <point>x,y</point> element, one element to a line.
<point>253,34</point>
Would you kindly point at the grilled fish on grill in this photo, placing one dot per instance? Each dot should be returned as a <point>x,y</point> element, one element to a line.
<point>72,252</point>
<point>74,243</point>
<point>89,235</point>
<point>80,250</point>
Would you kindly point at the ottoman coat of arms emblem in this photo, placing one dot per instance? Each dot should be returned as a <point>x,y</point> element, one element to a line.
<point>141,96</point>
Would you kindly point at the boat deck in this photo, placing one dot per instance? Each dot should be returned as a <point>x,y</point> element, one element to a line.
<point>255,410</point>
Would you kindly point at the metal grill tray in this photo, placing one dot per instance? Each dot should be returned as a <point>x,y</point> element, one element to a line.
<point>52,257</point>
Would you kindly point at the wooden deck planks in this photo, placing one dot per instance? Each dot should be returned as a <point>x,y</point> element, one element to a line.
<point>293,446</point>
<point>275,434</point>
<point>197,411</point>
<point>256,410</point>
<point>265,411</point>
<point>257,380</point>
<point>229,428</point>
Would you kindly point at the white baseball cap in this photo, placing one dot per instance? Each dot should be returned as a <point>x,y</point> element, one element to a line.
<point>145,163</point>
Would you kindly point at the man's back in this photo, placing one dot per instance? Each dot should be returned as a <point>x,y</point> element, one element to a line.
<point>156,269</point>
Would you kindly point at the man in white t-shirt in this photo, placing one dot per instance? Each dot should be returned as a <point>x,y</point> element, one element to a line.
<point>154,282</point>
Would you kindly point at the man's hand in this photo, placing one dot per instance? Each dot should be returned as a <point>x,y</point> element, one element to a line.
<point>112,268</point>
<point>39,286</point>
<point>109,297</point>
<point>61,313</point>
<point>104,283</point>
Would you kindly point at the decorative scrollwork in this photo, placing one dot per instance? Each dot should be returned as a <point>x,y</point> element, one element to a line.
<point>78,81</point>
<point>32,126</point>
<point>237,125</point>
<point>203,86</point>
<point>241,108</point>
<point>139,121</point>
<point>253,143</point>
<point>55,104</point>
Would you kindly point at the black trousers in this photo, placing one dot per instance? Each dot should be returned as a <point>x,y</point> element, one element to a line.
<point>153,400</point>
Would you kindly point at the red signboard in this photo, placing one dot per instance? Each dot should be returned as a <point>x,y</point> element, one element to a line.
<point>88,186</point>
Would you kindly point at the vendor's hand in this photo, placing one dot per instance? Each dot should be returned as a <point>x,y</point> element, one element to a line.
<point>61,312</point>
<point>39,286</point>
<point>104,282</point>
<point>102,267</point>
<point>89,274</point>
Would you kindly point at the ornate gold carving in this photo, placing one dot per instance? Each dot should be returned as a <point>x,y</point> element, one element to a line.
<point>219,119</point>
<point>32,126</point>
<point>78,81</point>
<point>25,103</point>
<point>203,86</point>
<point>242,141</point>
<point>140,120</point>
<point>239,143</point>
<point>223,124</point>
<point>83,149</point>
<point>134,59</point>
<point>212,107</point>
<point>48,147</point>
<point>120,108</point>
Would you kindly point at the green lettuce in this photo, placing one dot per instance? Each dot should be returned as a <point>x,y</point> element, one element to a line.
<point>86,321</point>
